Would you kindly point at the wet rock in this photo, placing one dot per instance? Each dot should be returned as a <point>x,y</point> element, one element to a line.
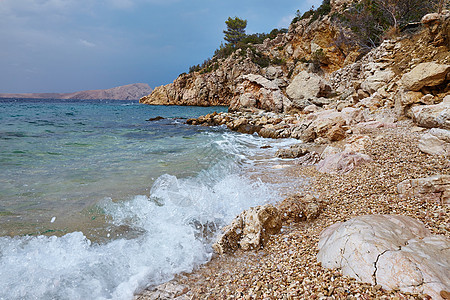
<point>249,230</point>
<point>425,74</point>
<point>436,142</point>
<point>155,119</point>
<point>310,158</point>
<point>437,187</point>
<point>396,252</point>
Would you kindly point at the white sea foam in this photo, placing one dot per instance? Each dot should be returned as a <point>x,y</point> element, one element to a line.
<point>173,229</point>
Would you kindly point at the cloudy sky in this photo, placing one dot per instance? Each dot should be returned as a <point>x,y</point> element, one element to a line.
<point>72,45</point>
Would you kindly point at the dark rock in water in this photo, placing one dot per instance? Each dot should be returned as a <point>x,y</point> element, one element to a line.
<point>293,152</point>
<point>155,119</point>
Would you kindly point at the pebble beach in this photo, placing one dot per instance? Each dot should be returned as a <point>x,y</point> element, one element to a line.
<point>286,267</point>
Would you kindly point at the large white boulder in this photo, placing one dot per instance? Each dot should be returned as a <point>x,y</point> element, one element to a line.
<point>396,252</point>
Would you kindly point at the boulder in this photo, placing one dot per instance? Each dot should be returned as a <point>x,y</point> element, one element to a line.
<point>308,85</point>
<point>249,230</point>
<point>293,151</point>
<point>437,187</point>
<point>396,252</point>
<point>342,162</point>
<point>436,142</point>
<point>429,18</point>
<point>425,74</point>
<point>257,92</point>
<point>431,116</point>
<point>380,78</point>
<point>168,290</point>
<point>297,208</point>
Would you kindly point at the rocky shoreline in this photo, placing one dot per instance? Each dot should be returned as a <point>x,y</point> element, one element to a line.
<point>374,138</point>
<point>287,267</point>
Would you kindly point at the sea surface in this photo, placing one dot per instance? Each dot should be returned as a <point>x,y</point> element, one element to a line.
<point>98,202</point>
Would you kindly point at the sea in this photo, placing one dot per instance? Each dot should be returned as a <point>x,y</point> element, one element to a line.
<point>101,199</point>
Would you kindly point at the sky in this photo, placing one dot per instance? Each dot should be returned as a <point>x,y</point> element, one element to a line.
<point>73,45</point>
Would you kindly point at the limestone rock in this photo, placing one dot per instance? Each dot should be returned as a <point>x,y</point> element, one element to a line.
<point>249,230</point>
<point>425,74</point>
<point>308,85</point>
<point>381,77</point>
<point>437,187</point>
<point>293,151</point>
<point>342,162</point>
<point>396,252</point>
<point>297,208</point>
<point>428,18</point>
<point>436,142</point>
<point>257,92</point>
<point>431,116</point>
<point>168,290</point>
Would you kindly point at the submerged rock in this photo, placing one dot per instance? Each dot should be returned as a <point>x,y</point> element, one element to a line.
<point>396,252</point>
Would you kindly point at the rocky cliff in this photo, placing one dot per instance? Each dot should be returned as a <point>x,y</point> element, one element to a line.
<point>307,45</point>
<point>125,92</point>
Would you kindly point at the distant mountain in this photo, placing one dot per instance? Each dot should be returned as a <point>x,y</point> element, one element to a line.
<point>126,92</point>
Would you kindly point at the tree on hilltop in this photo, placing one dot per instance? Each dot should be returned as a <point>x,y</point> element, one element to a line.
<point>235,30</point>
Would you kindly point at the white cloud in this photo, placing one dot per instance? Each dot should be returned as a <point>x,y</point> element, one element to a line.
<point>87,43</point>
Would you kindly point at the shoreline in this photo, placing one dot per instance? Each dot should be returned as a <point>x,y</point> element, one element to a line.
<point>287,267</point>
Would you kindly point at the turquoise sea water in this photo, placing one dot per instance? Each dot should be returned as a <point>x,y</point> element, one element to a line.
<point>96,202</point>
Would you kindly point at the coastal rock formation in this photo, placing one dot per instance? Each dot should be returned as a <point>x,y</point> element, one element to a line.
<point>308,86</point>
<point>258,92</point>
<point>125,92</point>
<point>249,230</point>
<point>205,89</point>
<point>435,187</point>
<point>396,252</point>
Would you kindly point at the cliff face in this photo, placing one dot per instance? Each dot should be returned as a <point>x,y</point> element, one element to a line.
<point>125,92</point>
<point>307,45</point>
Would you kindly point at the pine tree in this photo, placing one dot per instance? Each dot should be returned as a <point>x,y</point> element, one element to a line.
<point>235,30</point>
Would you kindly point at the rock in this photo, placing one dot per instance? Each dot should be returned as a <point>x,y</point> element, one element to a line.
<point>336,133</point>
<point>436,142</point>
<point>308,85</point>
<point>357,143</point>
<point>429,18</point>
<point>396,252</point>
<point>310,158</point>
<point>292,152</point>
<point>425,74</point>
<point>297,208</point>
<point>168,290</point>
<point>257,92</point>
<point>431,116</point>
<point>342,162</point>
<point>380,78</point>
<point>329,150</point>
<point>249,230</point>
<point>437,187</point>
